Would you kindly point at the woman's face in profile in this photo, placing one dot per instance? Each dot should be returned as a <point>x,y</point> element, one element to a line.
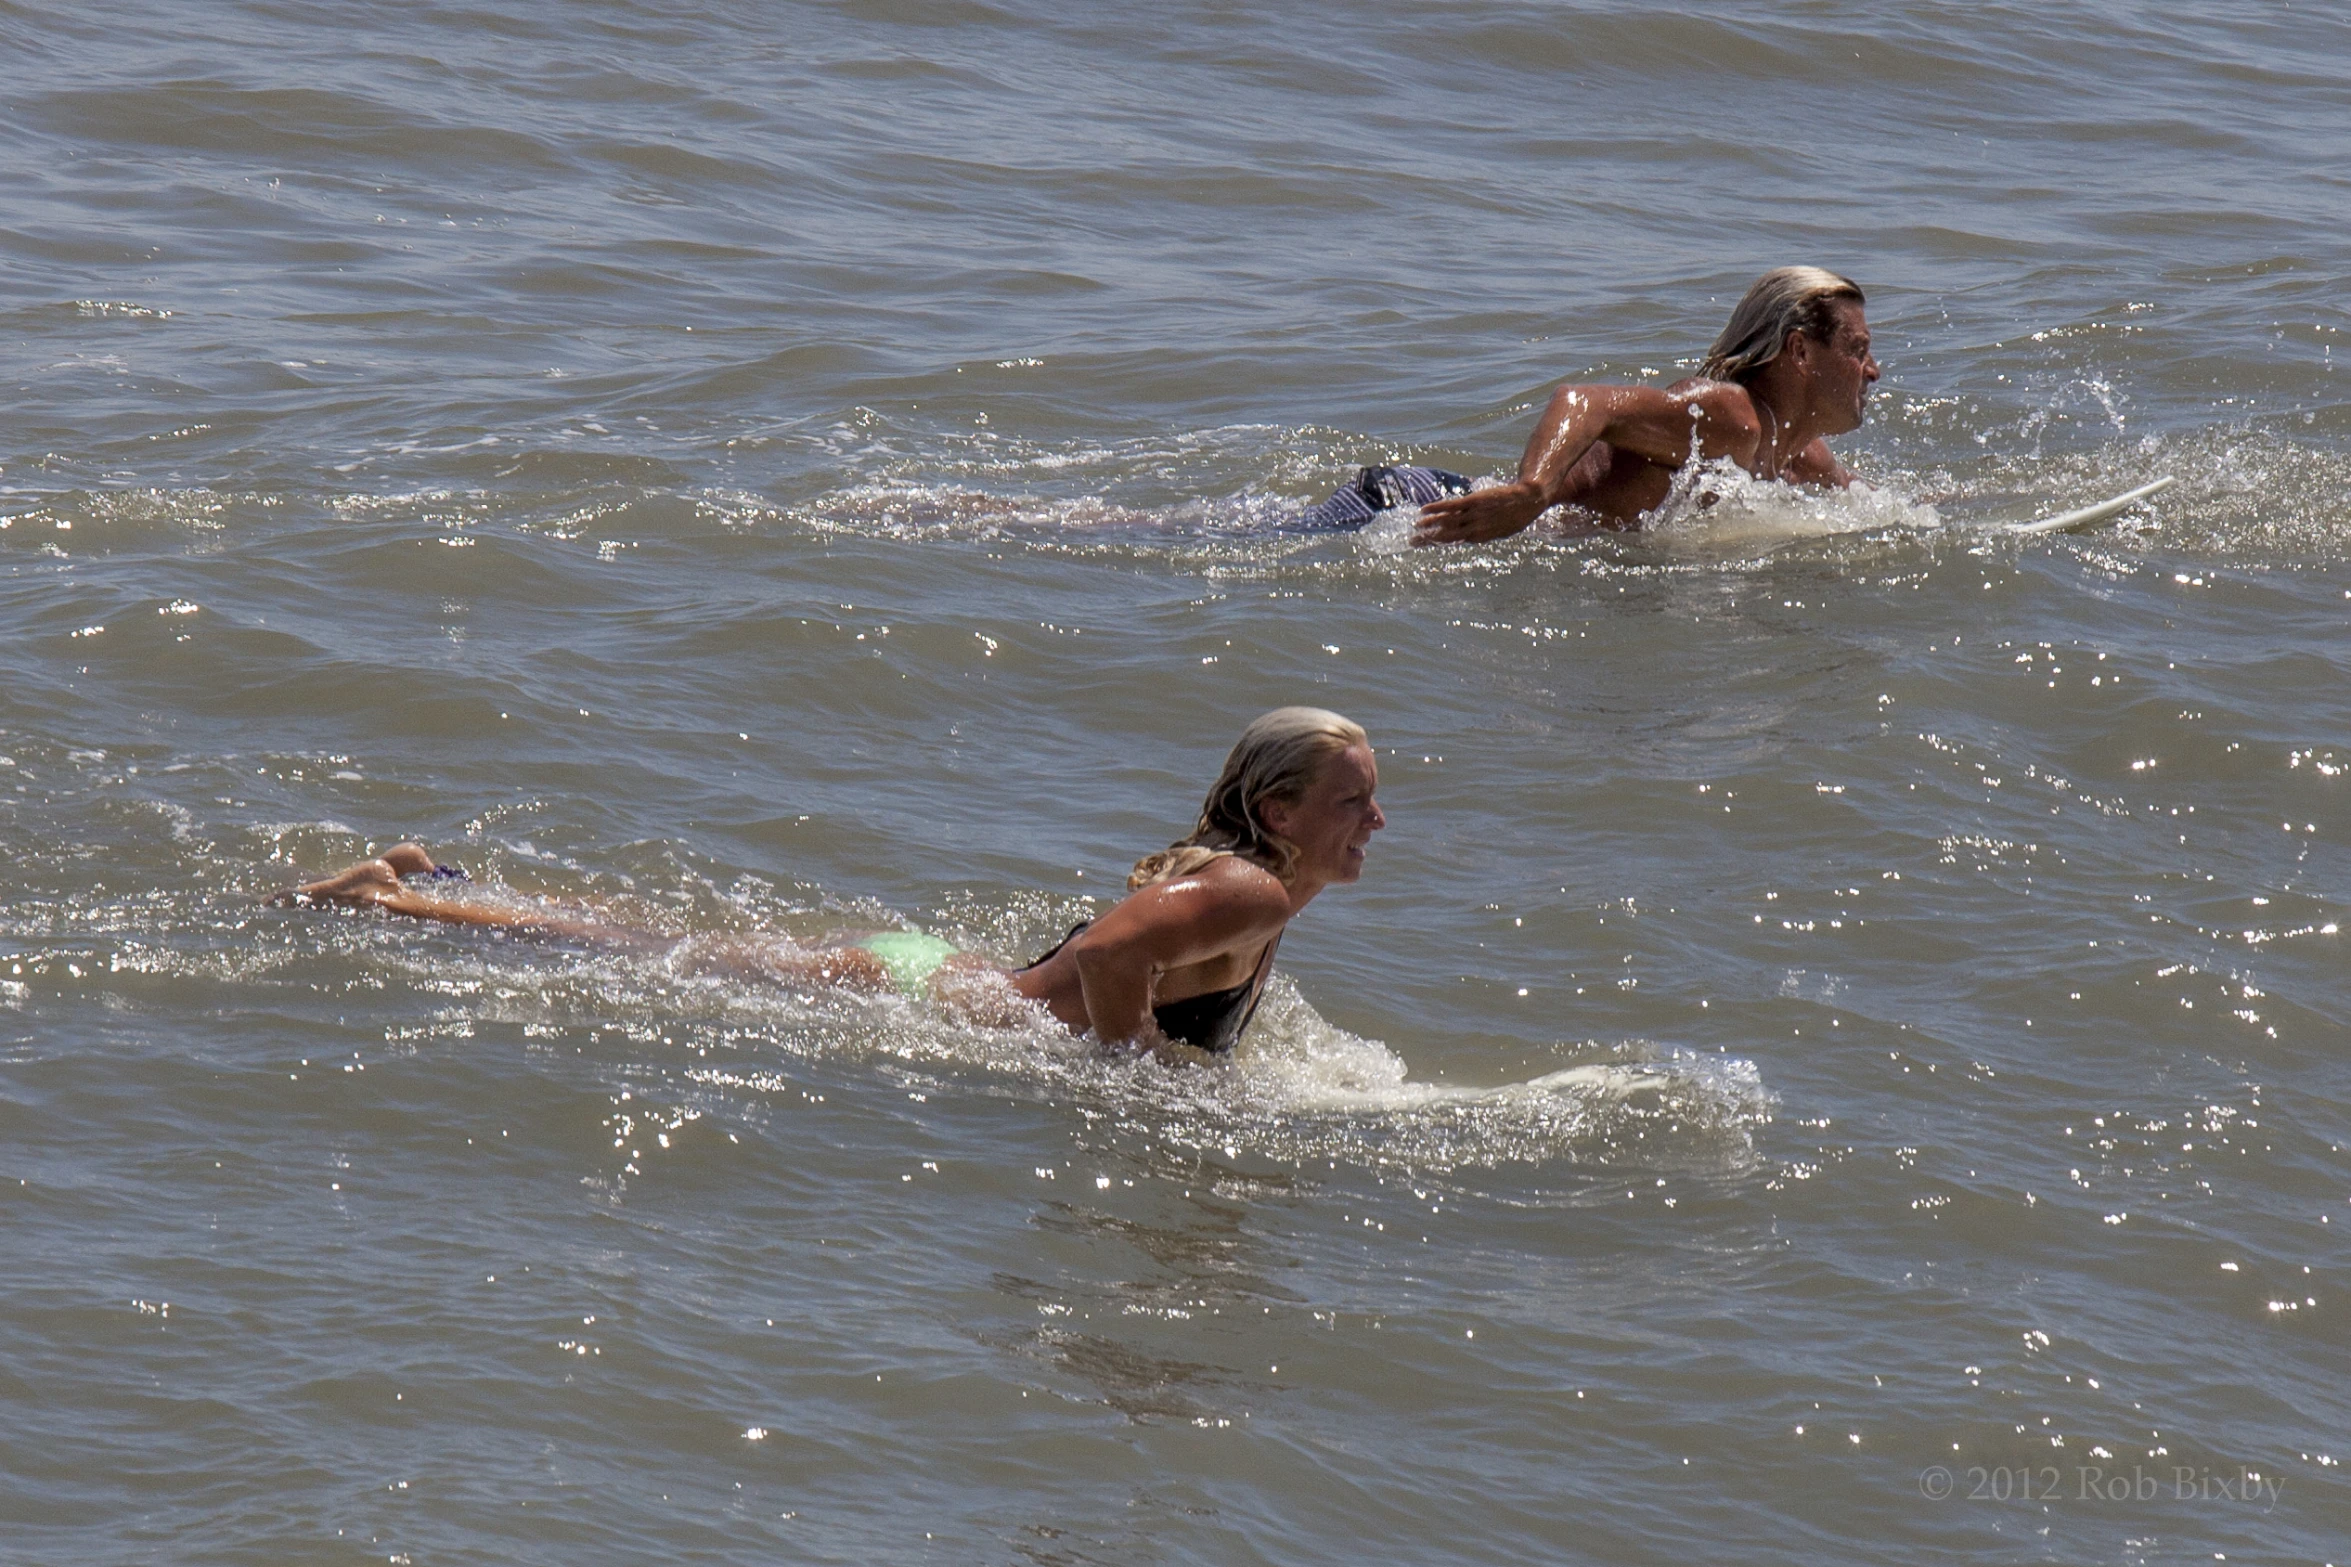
<point>1334,819</point>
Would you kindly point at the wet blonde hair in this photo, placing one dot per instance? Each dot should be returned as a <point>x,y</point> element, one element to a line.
<point>1276,758</point>
<point>1783,300</point>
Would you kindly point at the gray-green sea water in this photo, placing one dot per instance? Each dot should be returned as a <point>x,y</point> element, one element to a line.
<point>1839,1057</point>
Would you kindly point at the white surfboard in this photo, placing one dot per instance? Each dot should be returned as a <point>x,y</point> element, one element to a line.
<point>2091,516</point>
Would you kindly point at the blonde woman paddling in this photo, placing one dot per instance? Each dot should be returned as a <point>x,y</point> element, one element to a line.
<point>1176,967</point>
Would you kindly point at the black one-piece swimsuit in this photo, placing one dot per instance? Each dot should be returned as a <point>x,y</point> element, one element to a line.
<point>1211,1021</point>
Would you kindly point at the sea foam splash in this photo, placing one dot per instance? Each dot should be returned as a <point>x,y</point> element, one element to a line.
<point>1299,1089</point>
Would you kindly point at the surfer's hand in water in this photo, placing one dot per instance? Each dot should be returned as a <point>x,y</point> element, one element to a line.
<point>1492,513</point>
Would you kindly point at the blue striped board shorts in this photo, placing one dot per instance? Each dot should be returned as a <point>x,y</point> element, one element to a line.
<point>1376,490</point>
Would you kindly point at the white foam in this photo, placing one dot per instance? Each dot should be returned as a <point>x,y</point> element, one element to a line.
<point>1299,1088</point>
<point>1718,508</point>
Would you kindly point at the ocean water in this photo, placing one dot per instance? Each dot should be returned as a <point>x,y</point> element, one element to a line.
<point>1839,1057</point>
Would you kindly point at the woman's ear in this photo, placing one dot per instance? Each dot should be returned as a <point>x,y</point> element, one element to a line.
<point>1274,815</point>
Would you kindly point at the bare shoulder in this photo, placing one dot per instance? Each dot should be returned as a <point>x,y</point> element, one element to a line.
<point>1241,884</point>
<point>1227,881</point>
<point>1228,898</point>
<point>1816,464</point>
<point>1724,403</point>
<point>1225,905</point>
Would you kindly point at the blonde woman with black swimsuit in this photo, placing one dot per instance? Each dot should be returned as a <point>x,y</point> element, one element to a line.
<point>1176,967</point>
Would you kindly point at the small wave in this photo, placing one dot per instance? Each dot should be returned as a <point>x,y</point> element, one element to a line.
<point>1299,1090</point>
<point>1305,1089</point>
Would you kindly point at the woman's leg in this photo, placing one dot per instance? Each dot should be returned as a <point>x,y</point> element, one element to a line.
<point>767,959</point>
<point>366,882</point>
<point>377,883</point>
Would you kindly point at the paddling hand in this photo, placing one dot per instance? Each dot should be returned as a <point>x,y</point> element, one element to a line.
<point>1493,513</point>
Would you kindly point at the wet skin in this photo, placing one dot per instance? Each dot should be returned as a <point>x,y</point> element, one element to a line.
<point>1609,453</point>
<point>1209,931</point>
<point>1176,939</point>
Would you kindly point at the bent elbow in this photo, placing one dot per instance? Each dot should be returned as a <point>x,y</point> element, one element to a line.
<point>1572,402</point>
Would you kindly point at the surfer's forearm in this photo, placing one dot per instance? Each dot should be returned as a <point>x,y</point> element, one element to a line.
<point>1576,419</point>
<point>1555,468</point>
<point>1571,424</point>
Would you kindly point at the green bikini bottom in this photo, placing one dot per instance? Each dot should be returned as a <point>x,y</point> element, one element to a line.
<point>911,957</point>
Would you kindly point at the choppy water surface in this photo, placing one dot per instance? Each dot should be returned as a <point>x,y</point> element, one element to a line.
<point>1847,1002</point>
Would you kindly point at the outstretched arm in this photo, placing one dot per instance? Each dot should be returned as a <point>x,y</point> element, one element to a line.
<point>1711,418</point>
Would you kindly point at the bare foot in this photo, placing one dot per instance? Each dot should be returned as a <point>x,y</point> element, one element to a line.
<point>369,881</point>
<point>409,859</point>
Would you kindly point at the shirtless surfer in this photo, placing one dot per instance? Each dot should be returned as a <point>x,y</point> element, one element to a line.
<point>1792,368</point>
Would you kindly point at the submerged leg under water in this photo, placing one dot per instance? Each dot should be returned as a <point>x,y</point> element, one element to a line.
<point>914,963</point>
<point>405,880</point>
